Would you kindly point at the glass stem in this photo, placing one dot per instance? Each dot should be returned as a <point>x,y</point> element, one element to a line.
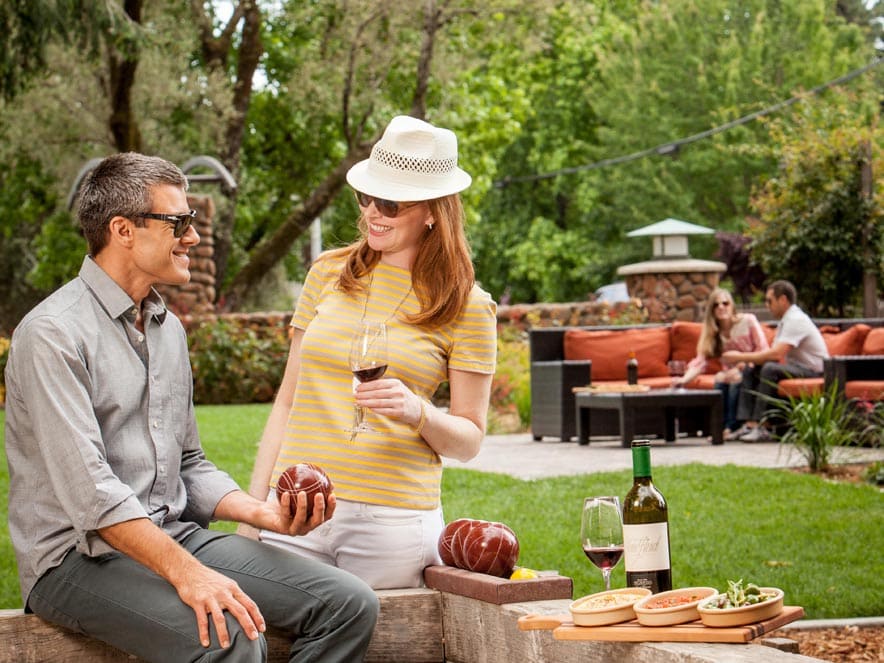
<point>358,418</point>
<point>606,574</point>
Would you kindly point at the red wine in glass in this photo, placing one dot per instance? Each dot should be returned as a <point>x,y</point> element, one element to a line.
<point>601,533</point>
<point>371,373</point>
<point>368,361</point>
<point>604,558</point>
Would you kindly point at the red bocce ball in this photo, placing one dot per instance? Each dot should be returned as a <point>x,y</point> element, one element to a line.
<point>480,546</point>
<point>304,477</point>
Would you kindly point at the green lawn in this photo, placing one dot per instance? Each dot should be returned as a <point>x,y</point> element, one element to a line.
<point>819,541</point>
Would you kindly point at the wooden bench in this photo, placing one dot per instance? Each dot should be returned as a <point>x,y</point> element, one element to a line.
<point>421,626</point>
<point>409,629</point>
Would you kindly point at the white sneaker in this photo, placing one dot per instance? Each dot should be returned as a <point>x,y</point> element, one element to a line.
<point>757,434</point>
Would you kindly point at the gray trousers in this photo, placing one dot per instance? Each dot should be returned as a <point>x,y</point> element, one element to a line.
<point>330,613</point>
<point>759,387</point>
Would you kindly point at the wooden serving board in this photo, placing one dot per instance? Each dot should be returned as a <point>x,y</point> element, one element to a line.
<point>612,389</point>
<point>564,629</point>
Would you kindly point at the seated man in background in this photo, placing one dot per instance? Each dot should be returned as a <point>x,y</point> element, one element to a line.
<point>110,491</point>
<point>797,351</point>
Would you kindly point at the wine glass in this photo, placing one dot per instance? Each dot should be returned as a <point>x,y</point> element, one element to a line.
<point>677,369</point>
<point>368,361</point>
<point>601,533</point>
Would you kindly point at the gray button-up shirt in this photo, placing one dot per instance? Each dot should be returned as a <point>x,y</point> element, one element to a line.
<point>100,426</point>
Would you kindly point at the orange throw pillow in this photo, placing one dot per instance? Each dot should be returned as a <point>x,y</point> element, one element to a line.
<point>609,349</point>
<point>848,342</point>
<point>874,343</point>
<point>685,336</point>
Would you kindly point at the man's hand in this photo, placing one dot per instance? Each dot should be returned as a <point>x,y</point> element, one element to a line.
<point>209,594</point>
<point>278,518</point>
<point>275,516</point>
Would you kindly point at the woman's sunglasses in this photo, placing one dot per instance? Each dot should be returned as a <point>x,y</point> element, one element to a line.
<point>181,221</point>
<point>388,208</point>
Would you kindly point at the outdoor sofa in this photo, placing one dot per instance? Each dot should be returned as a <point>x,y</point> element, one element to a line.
<point>562,358</point>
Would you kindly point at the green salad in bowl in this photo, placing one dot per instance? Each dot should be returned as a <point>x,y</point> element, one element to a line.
<point>738,596</point>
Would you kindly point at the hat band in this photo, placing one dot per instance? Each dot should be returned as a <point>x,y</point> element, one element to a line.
<point>407,164</point>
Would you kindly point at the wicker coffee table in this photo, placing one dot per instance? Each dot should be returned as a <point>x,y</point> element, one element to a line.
<point>672,402</point>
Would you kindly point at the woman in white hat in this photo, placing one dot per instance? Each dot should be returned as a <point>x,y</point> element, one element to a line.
<point>411,269</point>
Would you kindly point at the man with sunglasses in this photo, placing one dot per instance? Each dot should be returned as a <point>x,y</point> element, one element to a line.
<point>797,351</point>
<point>110,491</point>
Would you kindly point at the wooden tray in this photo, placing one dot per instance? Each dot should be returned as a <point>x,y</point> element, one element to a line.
<point>612,389</point>
<point>563,629</point>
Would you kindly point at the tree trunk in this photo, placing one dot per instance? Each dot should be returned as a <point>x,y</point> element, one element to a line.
<point>274,248</point>
<point>248,57</point>
<point>870,284</point>
<point>122,66</point>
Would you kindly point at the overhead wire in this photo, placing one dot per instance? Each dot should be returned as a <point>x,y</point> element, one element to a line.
<point>673,147</point>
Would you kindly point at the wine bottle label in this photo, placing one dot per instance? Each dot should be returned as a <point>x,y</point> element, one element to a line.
<point>646,547</point>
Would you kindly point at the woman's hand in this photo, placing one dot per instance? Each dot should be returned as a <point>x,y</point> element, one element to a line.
<point>390,398</point>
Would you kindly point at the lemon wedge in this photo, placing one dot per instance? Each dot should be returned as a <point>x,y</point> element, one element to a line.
<point>523,574</point>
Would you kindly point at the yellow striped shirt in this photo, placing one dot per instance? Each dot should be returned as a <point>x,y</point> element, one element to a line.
<point>391,465</point>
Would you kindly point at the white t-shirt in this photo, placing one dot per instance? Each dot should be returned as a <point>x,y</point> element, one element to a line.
<point>808,347</point>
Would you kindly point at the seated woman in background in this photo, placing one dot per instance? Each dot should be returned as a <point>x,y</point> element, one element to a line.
<point>725,329</point>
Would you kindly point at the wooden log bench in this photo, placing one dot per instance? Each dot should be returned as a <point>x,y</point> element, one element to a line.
<point>459,618</point>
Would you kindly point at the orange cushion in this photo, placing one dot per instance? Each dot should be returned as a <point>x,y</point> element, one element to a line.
<point>848,342</point>
<point>684,337</point>
<point>874,343</point>
<point>797,387</point>
<point>702,381</point>
<point>867,390</point>
<point>609,349</point>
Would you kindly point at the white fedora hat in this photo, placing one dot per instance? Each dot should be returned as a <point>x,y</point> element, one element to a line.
<point>413,160</point>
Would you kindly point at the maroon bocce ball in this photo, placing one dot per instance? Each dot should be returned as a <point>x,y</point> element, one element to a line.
<point>304,477</point>
<point>492,549</point>
<point>457,540</point>
<point>444,545</point>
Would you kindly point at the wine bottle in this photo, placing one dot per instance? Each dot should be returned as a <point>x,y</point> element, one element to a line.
<point>632,368</point>
<point>646,527</point>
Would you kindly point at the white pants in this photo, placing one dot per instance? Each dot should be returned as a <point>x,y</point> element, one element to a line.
<point>385,546</point>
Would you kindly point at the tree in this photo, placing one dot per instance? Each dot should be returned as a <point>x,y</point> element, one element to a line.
<point>813,215</point>
<point>330,99</point>
<point>662,71</point>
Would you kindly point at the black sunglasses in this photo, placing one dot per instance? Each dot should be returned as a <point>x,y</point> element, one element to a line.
<point>182,221</point>
<point>388,208</point>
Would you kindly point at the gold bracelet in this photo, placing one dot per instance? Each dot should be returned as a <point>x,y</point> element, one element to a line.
<point>423,420</point>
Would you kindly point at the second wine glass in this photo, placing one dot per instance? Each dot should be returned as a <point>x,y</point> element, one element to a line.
<point>601,533</point>
<point>368,361</point>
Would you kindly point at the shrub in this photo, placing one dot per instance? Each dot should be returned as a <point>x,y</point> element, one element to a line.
<point>234,362</point>
<point>511,386</point>
<point>817,423</point>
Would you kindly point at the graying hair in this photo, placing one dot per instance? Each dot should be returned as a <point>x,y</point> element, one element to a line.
<point>121,186</point>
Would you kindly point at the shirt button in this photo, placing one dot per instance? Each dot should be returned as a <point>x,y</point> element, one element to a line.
<point>141,339</point>
<point>134,311</point>
<point>162,469</point>
<point>156,424</point>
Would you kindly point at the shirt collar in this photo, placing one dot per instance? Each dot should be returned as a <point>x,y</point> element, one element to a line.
<point>113,299</point>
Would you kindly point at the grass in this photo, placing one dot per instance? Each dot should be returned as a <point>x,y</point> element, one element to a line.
<point>819,541</point>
